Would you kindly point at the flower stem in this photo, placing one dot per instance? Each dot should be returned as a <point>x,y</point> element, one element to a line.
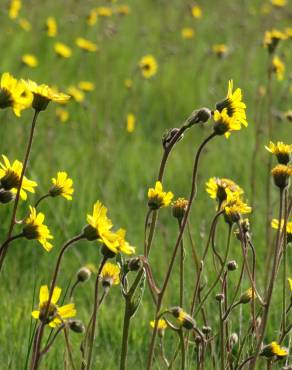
<point>182,348</point>
<point>126,327</point>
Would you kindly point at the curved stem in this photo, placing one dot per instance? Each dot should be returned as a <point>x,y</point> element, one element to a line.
<point>73,288</point>
<point>5,246</point>
<point>181,271</point>
<point>126,327</point>
<point>41,199</point>
<point>182,348</point>
<point>16,202</point>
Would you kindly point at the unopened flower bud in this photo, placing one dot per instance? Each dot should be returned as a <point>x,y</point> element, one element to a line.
<point>169,135</point>
<point>179,208</point>
<point>77,326</point>
<point>6,196</point>
<point>206,329</point>
<point>83,274</point>
<point>233,340</point>
<point>219,297</point>
<point>281,174</point>
<point>201,115</point>
<point>198,340</point>
<point>232,265</point>
<point>185,319</point>
<point>247,296</point>
<point>134,264</point>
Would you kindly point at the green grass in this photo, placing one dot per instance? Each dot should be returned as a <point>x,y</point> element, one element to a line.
<point>116,167</point>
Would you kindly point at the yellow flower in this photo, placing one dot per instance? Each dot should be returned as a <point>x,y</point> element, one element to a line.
<point>63,186</point>
<point>282,151</point>
<point>179,208</point>
<point>288,32</point>
<point>104,11</point>
<point>10,178</point>
<point>24,24</point>
<point>131,121</point>
<point>197,11</point>
<point>29,60</point>
<point>221,50</point>
<point>14,94</point>
<point>234,206</point>
<point>224,124</point>
<point>247,296</point>
<point>62,115</point>
<point>86,86</point>
<point>275,225</point>
<point>86,44</point>
<point>274,349</point>
<point>183,318</point>
<point>56,315</point>
<point>128,83</point>
<point>187,33</point>
<point>122,9</point>
<point>279,3</point>
<point>76,94</point>
<point>43,94</point>
<point>235,107</point>
<point>157,198</point>
<point>62,50</point>
<point>281,174</point>
<point>272,38</point>
<point>35,229</point>
<point>92,17</point>
<point>160,326</point>
<point>278,68</point>
<point>148,66</point>
<point>216,188</point>
<point>14,8</point>
<point>52,27</point>
<point>110,275</point>
<point>119,244</point>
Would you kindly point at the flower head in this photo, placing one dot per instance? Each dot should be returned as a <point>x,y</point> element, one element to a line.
<point>10,178</point>
<point>281,174</point>
<point>187,33</point>
<point>24,24</point>
<point>86,86</point>
<point>234,206</point>
<point>148,66</point>
<point>196,11</point>
<point>30,60</point>
<point>272,39</point>
<point>34,228</point>
<point>281,150</point>
<point>76,94</point>
<point>14,8</point>
<point>62,50</point>
<point>224,124</point>
<point>161,326</point>
<point>247,296</point>
<point>43,94</point>
<point>279,3</point>
<point>104,11</point>
<point>278,68</point>
<point>122,9</point>
<point>110,275</point>
<point>275,225</point>
<point>216,188</point>
<point>233,107</point>
<point>62,114</point>
<point>183,318</point>
<point>63,186</point>
<point>56,315</point>
<point>274,349</point>
<point>52,27</point>
<point>221,50</point>
<point>86,45</point>
<point>14,94</point>
<point>131,122</point>
<point>157,198</point>
<point>179,208</point>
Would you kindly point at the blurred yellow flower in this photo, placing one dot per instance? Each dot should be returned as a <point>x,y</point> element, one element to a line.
<point>29,60</point>
<point>290,284</point>
<point>52,27</point>
<point>14,94</point>
<point>56,315</point>
<point>157,198</point>
<point>62,185</point>
<point>10,178</point>
<point>86,86</point>
<point>288,32</point>
<point>279,3</point>
<point>216,188</point>
<point>221,50</point>
<point>187,33</point>
<point>43,94</point>
<point>160,326</point>
<point>148,66</point>
<point>128,83</point>
<point>272,39</point>
<point>14,8</point>
<point>110,275</point>
<point>86,45</point>
<point>122,9</point>
<point>24,24</point>
<point>92,17</point>
<point>131,122</point>
<point>278,68</point>
<point>281,174</point>
<point>62,114</point>
<point>274,349</point>
<point>282,151</point>
<point>62,50</point>
<point>275,225</point>
<point>197,11</point>
<point>104,11</point>
<point>247,296</point>
<point>34,229</point>
<point>76,94</point>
